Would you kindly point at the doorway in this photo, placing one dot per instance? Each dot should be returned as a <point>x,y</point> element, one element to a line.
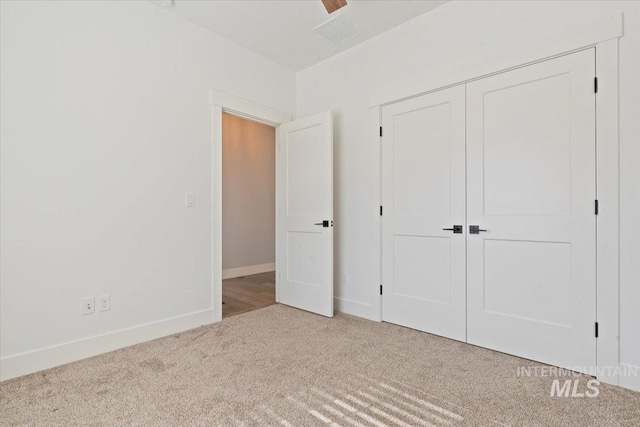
<point>248,215</point>
<point>303,204</point>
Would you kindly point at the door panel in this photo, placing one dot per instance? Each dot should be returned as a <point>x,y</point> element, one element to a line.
<point>304,187</point>
<point>520,142</point>
<point>531,185</point>
<point>423,188</point>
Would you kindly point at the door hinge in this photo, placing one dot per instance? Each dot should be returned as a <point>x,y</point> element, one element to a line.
<point>380,130</point>
<point>380,210</point>
<point>380,289</point>
<point>595,85</point>
<point>596,207</point>
<point>596,329</point>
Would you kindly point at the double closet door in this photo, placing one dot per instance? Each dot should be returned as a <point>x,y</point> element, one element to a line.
<point>489,228</point>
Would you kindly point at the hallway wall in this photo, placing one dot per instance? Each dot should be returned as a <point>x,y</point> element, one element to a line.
<point>248,195</point>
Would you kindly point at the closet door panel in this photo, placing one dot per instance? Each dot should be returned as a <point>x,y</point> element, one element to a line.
<point>531,186</point>
<point>423,175</point>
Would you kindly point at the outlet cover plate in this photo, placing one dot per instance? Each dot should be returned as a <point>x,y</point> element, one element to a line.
<point>88,305</point>
<point>103,303</point>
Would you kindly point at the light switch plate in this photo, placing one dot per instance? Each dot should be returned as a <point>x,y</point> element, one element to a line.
<point>190,200</point>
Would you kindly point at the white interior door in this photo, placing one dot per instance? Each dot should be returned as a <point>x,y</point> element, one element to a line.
<point>423,193</point>
<point>531,186</point>
<point>304,194</point>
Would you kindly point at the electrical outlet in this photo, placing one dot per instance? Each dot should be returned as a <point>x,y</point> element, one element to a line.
<point>103,303</point>
<point>344,278</point>
<point>88,305</point>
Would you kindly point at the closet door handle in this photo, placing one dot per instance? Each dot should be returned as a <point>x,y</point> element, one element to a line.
<point>457,229</point>
<point>475,229</point>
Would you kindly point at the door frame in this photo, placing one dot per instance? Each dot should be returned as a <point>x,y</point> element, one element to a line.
<point>222,102</point>
<point>602,35</point>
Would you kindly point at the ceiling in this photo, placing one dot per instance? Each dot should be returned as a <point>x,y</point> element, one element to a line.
<point>283,30</point>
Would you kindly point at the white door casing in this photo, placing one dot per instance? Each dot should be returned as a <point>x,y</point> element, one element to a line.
<point>423,193</point>
<point>304,200</point>
<point>531,184</point>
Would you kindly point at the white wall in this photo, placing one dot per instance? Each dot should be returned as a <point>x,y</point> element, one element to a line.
<point>248,195</point>
<point>106,124</point>
<point>455,34</point>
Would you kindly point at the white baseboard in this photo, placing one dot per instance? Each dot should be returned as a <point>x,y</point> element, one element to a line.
<point>38,360</point>
<point>354,308</point>
<point>630,381</point>
<point>230,273</point>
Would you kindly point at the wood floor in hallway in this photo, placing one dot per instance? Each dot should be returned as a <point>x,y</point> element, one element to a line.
<point>247,293</point>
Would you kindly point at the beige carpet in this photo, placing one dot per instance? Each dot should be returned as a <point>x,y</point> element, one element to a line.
<point>281,366</point>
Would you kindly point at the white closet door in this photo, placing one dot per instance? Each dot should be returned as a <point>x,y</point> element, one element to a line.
<point>423,192</point>
<point>531,186</point>
<point>304,195</point>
